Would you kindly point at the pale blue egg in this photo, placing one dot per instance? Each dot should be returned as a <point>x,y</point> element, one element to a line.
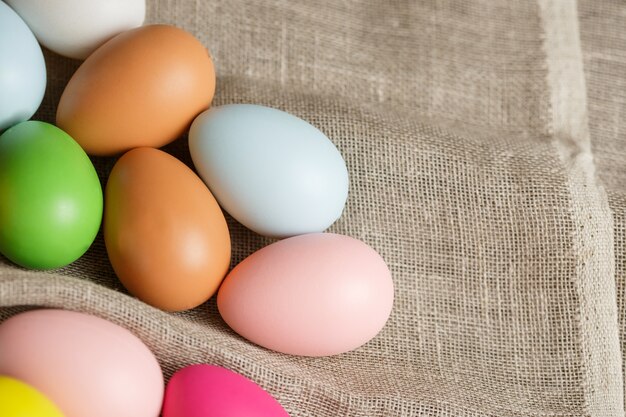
<point>273,172</point>
<point>22,70</point>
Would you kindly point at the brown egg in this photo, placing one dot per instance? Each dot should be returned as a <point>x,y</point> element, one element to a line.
<point>144,87</point>
<point>165,234</point>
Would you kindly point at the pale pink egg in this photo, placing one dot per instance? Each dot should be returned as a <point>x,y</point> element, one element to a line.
<point>212,391</point>
<point>313,295</point>
<point>88,366</point>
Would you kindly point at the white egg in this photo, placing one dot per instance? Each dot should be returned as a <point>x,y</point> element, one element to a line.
<point>75,28</point>
<point>273,172</point>
<point>22,70</point>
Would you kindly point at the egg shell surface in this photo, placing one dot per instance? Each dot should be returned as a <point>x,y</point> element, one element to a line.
<point>50,197</point>
<point>213,391</point>
<point>165,234</point>
<point>86,365</point>
<point>273,172</point>
<point>22,70</point>
<point>143,87</point>
<point>313,295</point>
<point>18,399</point>
<point>75,28</point>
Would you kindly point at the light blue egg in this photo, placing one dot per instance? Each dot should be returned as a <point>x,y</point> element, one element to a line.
<point>22,70</point>
<point>273,172</point>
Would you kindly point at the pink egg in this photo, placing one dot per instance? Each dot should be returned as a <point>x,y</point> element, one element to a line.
<point>212,391</point>
<point>314,295</point>
<point>88,366</point>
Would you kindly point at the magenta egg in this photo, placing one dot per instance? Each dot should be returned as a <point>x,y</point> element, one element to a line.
<point>213,391</point>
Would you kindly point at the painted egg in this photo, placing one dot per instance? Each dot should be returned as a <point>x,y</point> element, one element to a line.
<point>50,197</point>
<point>86,365</point>
<point>75,28</point>
<point>22,72</point>
<point>312,295</point>
<point>213,391</point>
<point>18,399</point>
<point>273,172</point>
<point>165,234</point>
<point>142,88</point>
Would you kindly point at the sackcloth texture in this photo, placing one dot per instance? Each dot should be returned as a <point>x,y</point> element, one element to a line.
<point>486,145</point>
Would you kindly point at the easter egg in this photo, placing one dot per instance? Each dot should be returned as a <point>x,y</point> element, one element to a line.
<point>141,88</point>
<point>75,28</point>
<point>86,365</point>
<point>18,399</point>
<point>22,70</point>
<point>313,295</point>
<point>213,391</point>
<point>273,172</point>
<point>165,234</point>
<point>50,197</point>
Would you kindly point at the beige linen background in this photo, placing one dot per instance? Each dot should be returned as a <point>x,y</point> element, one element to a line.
<point>486,142</point>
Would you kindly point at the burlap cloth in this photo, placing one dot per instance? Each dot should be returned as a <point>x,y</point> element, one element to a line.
<point>486,143</point>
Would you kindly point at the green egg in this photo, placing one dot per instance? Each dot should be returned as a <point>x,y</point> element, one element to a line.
<point>50,197</point>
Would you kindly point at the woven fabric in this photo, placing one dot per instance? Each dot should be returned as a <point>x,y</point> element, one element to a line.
<point>483,144</point>
<point>604,51</point>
